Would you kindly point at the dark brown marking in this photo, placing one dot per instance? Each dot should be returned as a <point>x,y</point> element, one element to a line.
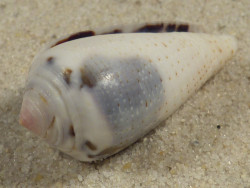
<point>90,145</point>
<point>82,34</point>
<point>66,75</point>
<point>150,28</point>
<point>71,130</point>
<point>183,28</point>
<point>51,60</point>
<point>86,80</point>
<point>52,122</point>
<point>170,28</point>
<point>146,104</point>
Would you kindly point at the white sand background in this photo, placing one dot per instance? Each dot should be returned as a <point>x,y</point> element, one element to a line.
<point>188,150</point>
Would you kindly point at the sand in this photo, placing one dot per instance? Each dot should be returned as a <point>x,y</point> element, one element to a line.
<point>203,144</point>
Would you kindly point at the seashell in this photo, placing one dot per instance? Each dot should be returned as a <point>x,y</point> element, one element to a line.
<point>93,93</point>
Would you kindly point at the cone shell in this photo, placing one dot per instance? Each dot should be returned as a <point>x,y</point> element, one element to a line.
<point>93,96</point>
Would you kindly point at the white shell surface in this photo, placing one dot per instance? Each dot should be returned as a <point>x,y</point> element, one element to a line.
<point>105,92</point>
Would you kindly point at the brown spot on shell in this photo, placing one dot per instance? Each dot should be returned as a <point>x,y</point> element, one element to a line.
<point>66,75</point>
<point>50,60</point>
<point>71,130</point>
<point>183,28</point>
<point>170,28</point>
<point>86,80</point>
<point>90,145</point>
